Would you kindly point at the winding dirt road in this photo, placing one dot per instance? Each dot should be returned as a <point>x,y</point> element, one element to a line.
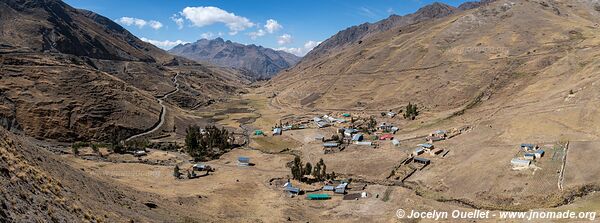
<point>163,111</point>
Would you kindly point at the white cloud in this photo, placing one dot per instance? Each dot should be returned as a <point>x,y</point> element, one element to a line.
<point>140,23</point>
<point>284,39</point>
<point>155,25</point>
<point>207,35</point>
<point>272,26</point>
<point>311,44</point>
<point>204,16</point>
<point>259,33</point>
<point>300,51</point>
<point>165,44</point>
<point>178,20</point>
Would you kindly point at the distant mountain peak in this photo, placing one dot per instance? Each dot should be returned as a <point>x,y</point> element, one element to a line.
<point>261,62</point>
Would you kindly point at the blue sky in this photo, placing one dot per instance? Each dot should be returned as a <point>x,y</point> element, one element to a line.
<point>295,26</point>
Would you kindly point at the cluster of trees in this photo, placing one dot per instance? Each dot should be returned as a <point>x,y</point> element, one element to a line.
<point>411,111</point>
<point>208,144</point>
<point>95,147</point>
<point>318,172</point>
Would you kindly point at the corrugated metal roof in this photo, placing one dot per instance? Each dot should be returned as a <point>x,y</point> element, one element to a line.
<point>422,159</point>
<point>331,144</point>
<point>527,145</point>
<point>425,145</point>
<point>357,137</point>
<point>516,161</point>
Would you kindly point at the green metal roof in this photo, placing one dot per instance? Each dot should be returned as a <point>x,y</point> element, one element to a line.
<point>318,196</point>
<point>346,115</point>
<point>258,132</point>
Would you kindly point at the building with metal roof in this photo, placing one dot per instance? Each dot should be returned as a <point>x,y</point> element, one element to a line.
<point>426,145</point>
<point>290,189</point>
<point>243,161</point>
<point>363,143</point>
<point>341,188</point>
<point>330,144</point>
<point>318,196</point>
<point>520,163</point>
<point>539,153</point>
<point>419,151</point>
<point>357,137</point>
<point>328,188</point>
<point>529,156</point>
<point>528,146</point>
<point>422,160</point>
<point>277,131</point>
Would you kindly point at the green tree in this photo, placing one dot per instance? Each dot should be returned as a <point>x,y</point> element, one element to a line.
<point>75,150</point>
<point>307,168</point>
<point>176,172</point>
<point>411,111</point>
<point>372,123</point>
<point>297,171</point>
<point>323,170</point>
<point>316,173</point>
<point>95,148</point>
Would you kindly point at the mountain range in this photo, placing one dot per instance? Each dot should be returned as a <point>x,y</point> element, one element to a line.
<point>71,74</point>
<point>260,62</point>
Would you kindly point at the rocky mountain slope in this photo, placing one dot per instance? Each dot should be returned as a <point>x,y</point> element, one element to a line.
<point>37,186</point>
<point>355,34</point>
<point>445,64</point>
<point>71,74</point>
<point>262,63</point>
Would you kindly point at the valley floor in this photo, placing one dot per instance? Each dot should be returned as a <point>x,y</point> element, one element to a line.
<point>475,173</point>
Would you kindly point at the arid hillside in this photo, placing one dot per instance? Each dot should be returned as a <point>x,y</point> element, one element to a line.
<point>38,186</point>
<point>71,74</point>
<point>451,63</point>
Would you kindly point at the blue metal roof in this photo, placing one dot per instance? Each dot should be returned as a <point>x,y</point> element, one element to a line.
<point>331,144</point>
<point>243,159</point>
<point>527,145</point>
<point>426,145</point>
<point>328,187</point>
<point>540,151</point>
<point>292,189</point>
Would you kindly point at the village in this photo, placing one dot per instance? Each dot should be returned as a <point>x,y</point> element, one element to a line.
<point>331,158</point>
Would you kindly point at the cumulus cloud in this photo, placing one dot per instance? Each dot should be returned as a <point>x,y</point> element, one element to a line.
<point>155,24</point>
<point>207,35</point>
<point>269,28</point>
<point>165,44</point>
<point>311,44</point>
<point>140,23</point>
<point>284,39</point>
<point>300,51</point>
<point>272,26</point>
<point>259,33</point>
<point>178,20</point>
<point>204,16</point>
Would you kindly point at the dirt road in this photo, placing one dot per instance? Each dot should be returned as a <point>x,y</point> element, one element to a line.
<point>163,111</point>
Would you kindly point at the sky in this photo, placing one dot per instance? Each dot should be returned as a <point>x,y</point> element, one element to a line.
<point>294,26</point>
